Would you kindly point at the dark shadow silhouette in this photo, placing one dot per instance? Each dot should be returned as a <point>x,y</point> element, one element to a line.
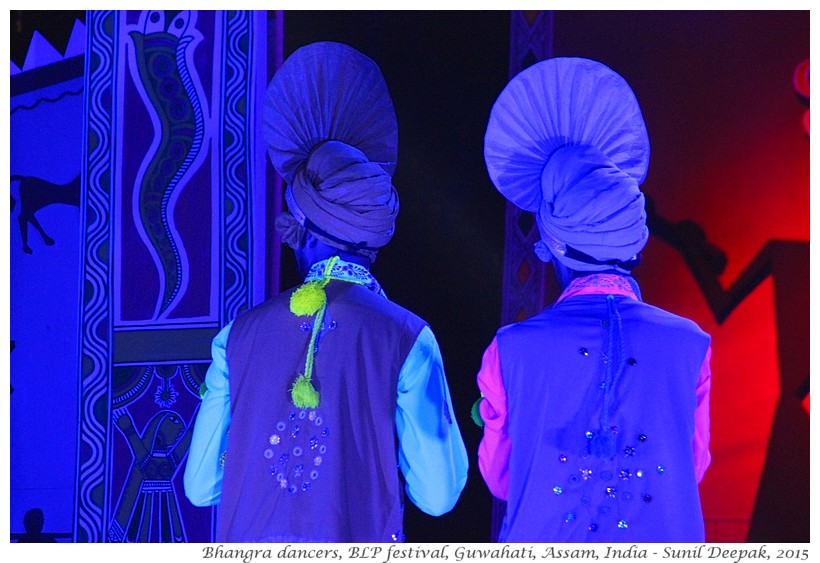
<point>782,508</point>
<point>35,194</point>
<point>33,522</point>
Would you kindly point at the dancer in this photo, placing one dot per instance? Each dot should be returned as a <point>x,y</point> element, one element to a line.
<point>315,396</point>
<point>596,410</point>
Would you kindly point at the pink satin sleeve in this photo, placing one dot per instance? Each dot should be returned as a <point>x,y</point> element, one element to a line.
<point>494,449</point>
<point>700,443</point>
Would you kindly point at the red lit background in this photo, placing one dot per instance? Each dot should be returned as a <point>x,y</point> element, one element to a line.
<point>724,97</point>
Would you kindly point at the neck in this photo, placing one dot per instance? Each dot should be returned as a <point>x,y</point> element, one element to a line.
<point>314,250</point>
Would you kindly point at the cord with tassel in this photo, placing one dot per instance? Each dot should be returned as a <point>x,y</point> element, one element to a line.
<point>308,300</point>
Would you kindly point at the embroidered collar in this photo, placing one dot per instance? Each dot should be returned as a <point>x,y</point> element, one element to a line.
<point>345,271</point>
<point>602,284</point>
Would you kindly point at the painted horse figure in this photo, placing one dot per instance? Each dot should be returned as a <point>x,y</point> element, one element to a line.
<point>36,193</point>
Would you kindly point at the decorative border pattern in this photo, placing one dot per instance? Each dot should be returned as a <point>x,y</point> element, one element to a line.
<point>237,169</point>
<point>95,322</point>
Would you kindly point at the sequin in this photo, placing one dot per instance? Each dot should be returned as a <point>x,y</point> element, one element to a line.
<point>586,473</point>
<point>562,458</point>
<point>314,474</point>
<point>642,437</point>
<point>297,451</point>
<point>326,432</point>
<point>292,416</point>
<point>294,431</point>
<point>639,473</point>
<point>629,451</point>
<point>317,461</point>
<point>312,415</point>
<point>306,327</point>
<point>574,479</point>
<point>589,435</point>
<point>322,449</point>
<point>302,415</point>
<point>624,474</point>
<point>281,477</point>
<point>306,485</point>
<point>614,429</point>
<point>569,517</point>
<point>660,469</point>
<point>606,475</point>
<point>268,453</point>
<point>557,490</point>
<point>593,527</point>
<point>292,489</point>
<point>622,524</point>
<point>283,483</point>
<point>314,442</point>
<point>283,459</point>
<point>610,492</point>
<point>298,470</point>
<point>647,498</point>
<point>632,361</point>
<point>318,421</point>
<point>583,351</point>
<point>274,439</point>
<point>280,426</point>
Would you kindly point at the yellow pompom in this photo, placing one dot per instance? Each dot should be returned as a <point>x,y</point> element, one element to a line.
<point>304,395</point>
<point>308,299</point>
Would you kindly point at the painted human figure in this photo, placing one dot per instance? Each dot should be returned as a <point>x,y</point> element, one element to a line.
<point>148,510</point>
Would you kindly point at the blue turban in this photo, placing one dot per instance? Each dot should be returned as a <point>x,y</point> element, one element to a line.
<point>567,141</point>
<point>332,135</point>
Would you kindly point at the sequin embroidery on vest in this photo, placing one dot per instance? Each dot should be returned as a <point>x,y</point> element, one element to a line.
<point>605,489</point>
<point>296,450</point>
<point>298,446</point>
<point>613,470</point>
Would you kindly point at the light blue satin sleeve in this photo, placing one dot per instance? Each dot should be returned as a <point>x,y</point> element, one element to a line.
<point>432,455</point>
<point>203,471</point>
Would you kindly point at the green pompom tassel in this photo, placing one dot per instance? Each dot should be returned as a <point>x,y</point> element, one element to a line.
<point>308,299</point>
<point>476,414</point>
<point>304,395</point>
<point>202,390</point>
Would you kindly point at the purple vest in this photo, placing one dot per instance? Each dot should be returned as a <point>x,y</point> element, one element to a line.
<point>562,487</point>
<point>324,475</point>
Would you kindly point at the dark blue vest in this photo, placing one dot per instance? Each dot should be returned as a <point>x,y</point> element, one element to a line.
<point>562,488</point>
<point>327,474</point>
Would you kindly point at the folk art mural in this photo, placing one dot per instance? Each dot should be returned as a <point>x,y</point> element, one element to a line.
<point>156,150</point>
